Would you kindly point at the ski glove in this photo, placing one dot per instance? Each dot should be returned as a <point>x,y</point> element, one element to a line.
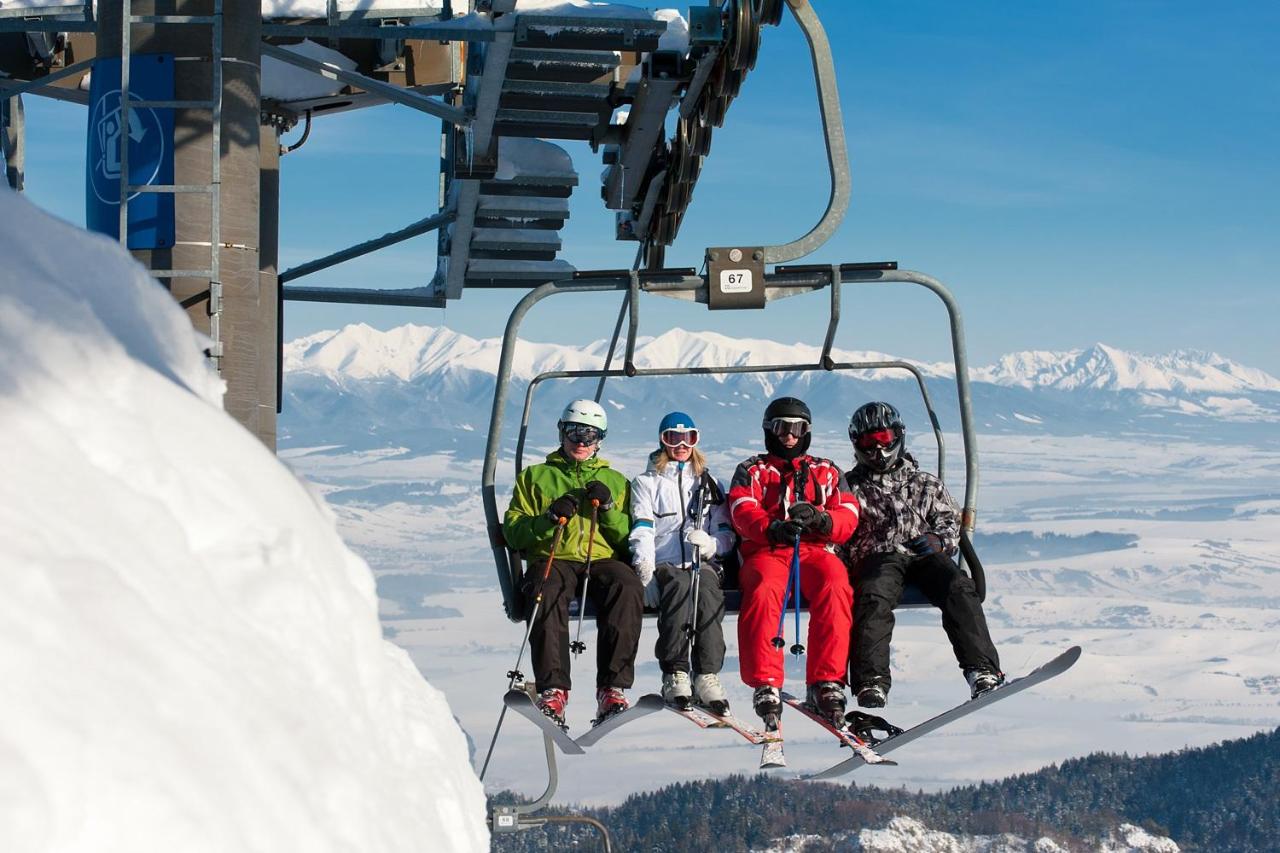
<point>644,571</point>
<point>565,506</point>
<point>784,532</point>
<point>928,543</point>
<point>810,518</point>
<point>598,491</point>
<point>703,541</point>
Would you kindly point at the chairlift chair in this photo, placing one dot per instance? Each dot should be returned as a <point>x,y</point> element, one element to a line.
<point>785,281</point>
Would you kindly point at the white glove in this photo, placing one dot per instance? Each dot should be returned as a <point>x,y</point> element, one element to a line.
<point>702,540</point>
<point>644,571</point>
<point>651,595</point>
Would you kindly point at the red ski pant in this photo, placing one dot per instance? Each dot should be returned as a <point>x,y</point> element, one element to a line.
<point>824,581</point>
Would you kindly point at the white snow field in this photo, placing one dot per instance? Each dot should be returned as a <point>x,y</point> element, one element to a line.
<point>190,656</point>
<point>1151,543</point>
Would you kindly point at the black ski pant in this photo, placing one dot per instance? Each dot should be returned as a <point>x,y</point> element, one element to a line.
<point>877,590</point>
<point>675,611</point>
<point>618,596</point>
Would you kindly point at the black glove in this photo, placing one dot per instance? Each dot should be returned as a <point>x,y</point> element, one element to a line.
<point>565,506</point>
<point>812,519</point>
<point>925,544</point>
<point>783,532</point>
<point>598,491</point>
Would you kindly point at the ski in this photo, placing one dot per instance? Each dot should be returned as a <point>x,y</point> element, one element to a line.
<point>643,706</point>
<point>771,755</point>
<point>1055,667</point>
<point>698,717</point>
<point>705,718</point>
<point>847,738</point>
<point>519,701</point>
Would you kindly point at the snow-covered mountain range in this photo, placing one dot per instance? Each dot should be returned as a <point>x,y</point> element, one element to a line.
<point>418,386</point>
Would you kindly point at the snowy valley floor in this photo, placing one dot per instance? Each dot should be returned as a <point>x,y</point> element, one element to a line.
<point>1164,567</point>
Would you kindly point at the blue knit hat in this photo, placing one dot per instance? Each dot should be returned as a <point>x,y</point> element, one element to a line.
<point>676,420</point>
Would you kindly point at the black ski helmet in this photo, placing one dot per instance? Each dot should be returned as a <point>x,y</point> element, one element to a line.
<point>874,417</point>
<point>786,407</point>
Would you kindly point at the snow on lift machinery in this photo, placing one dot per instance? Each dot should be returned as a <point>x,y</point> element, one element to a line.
<point>735,279</point>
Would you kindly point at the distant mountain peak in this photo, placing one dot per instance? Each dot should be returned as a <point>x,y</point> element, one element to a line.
<point>359,351</point>
<point>1107,368</point>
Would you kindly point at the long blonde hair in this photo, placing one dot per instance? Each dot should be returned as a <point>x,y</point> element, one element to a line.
<point>661,459</point>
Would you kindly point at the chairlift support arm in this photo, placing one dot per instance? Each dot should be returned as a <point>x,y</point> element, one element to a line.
<point>833,129</point>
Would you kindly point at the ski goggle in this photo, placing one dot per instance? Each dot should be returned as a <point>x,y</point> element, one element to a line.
<point>679,438</point>
<point>876,438</point>
<point>798,427</point>
<point>583,434</point>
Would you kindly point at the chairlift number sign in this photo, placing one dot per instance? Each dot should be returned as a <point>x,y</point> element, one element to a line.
<point>735,281</point>
<point>735,277</point>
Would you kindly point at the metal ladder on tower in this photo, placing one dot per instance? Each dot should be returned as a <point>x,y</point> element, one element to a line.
<point>212,189</point>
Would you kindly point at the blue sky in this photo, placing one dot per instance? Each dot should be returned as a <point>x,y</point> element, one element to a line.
<point>1092,171</point>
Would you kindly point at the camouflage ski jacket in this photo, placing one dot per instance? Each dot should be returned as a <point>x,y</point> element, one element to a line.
<point>527,528</point>
<point>897,506</point>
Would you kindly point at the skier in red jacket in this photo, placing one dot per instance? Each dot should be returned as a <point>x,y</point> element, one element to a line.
<point>775,498</point>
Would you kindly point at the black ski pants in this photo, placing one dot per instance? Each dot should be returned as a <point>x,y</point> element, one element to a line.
<point>877,590</point>
<point>618,596</point>
<point>675,611</point>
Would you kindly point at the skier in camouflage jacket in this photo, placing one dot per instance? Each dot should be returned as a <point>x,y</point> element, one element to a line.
<point>908,533</point>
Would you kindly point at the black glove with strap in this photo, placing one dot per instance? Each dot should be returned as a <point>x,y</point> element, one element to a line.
<point>783,532</point>
<point>598,491</point>
<point>565,506</point>
<point>810,518</point>
<point>926,544</point>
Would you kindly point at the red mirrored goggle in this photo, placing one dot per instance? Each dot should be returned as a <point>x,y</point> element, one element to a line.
<point>875,439</point>
<point>679,437</point>
<point>787,426</point>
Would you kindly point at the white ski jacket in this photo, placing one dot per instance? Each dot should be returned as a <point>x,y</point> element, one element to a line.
<point>664,508</point>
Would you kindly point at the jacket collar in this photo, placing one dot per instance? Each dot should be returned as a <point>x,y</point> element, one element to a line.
<point>591,463</point>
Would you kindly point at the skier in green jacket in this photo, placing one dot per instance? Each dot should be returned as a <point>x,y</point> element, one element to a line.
<point>573,484</point>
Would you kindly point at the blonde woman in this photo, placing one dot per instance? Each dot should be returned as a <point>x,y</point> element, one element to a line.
<point>677,511</point>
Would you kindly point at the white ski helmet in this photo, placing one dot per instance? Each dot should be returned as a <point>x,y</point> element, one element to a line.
<point>586,412</point>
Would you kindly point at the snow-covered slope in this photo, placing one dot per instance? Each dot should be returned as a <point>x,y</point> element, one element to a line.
<point>357,385</point>
<point>190,656</point>
<point>908,835</point>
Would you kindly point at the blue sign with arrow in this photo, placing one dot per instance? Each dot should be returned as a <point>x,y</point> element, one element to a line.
<point>149,135</point>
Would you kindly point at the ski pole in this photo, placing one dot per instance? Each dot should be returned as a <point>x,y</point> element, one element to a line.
<point>577,646</point>
<point>798,648</point>
<point>514,673</point>
<point>691,627</point>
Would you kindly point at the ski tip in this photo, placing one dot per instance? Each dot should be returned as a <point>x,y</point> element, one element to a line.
<point>1072,655</point>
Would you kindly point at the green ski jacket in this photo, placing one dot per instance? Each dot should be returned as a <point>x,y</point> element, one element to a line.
<point>527,528</point>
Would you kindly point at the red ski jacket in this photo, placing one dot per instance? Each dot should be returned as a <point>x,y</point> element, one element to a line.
<point>765,486</point>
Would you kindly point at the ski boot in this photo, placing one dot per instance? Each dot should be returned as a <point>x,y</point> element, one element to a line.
<point>982,681</point>
<point>767,702</point>
<point>675,689</point>
<point>709,693</point>
<point>551,702</point>
<point>610,701</point>
<point>827,698</point>
<point>873,694</point>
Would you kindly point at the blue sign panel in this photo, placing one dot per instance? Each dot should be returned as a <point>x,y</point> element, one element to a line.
<point>150,140</point>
